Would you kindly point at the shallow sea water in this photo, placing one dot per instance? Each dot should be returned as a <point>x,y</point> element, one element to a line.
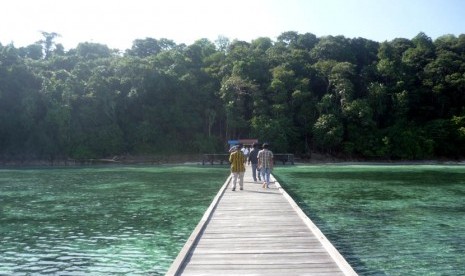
<point>100,220</point>
<point>387,220</point>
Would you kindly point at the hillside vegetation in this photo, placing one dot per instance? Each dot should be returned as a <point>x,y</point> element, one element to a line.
<point>347,97</point>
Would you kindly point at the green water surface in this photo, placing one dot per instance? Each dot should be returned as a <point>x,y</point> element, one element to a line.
<point>387,220</point>
<point>100,220</point>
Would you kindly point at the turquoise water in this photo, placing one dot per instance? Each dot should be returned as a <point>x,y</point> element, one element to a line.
<point>387,220</point>
<point>100,221</point>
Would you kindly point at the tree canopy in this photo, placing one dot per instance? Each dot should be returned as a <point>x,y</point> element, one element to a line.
<point>350,97</point>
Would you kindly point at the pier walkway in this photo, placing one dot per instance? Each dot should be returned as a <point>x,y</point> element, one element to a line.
<point>257,231</point>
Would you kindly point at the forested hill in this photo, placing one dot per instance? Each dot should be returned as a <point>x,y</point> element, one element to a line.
<point>351,97</point>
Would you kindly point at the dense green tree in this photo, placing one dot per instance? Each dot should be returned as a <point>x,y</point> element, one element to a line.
<point>333,48</point>
<point>33,51</point>
<point>350,97</point>
<point>236,95</point>
<point>144,47</point>
<point>48,43</point>
<point>88,51</point>
<point>328,133</point>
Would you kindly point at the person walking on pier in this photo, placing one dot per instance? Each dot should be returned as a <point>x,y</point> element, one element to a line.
<point>237,160</point>
<point>253,159</point>
<point>265,163</point>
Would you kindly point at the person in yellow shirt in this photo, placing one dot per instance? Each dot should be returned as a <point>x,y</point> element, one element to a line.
<point>237,160</point>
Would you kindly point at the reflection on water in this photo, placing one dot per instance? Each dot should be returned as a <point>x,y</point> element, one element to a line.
<point>387,220</point>
<point>100,221</point>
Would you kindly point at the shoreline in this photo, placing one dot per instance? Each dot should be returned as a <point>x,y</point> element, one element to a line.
<point>197,160</point>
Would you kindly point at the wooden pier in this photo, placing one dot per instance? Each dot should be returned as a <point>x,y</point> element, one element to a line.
<point>257,231</point>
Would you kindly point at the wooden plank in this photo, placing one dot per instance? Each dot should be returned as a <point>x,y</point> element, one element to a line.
<point>257,231</point>
<point>261,258</point>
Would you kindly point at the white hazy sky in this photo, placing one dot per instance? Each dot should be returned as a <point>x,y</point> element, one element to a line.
<point>117,23</point>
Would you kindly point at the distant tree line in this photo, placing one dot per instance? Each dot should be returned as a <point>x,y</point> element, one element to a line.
<point>355,98</point>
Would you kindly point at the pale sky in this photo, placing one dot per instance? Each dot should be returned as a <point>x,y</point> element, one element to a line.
<point>117,23</point>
